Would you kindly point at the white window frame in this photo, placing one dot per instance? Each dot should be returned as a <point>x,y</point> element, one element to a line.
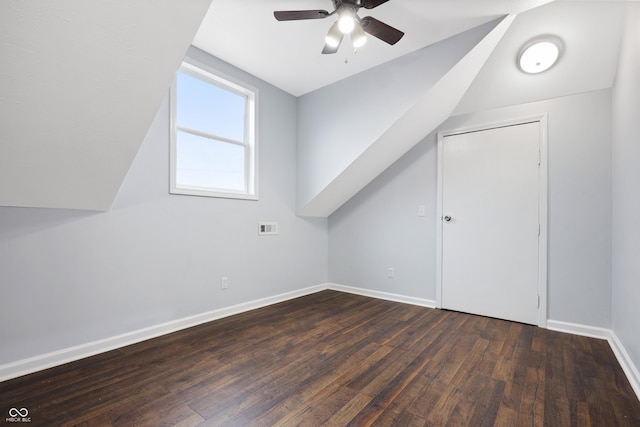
<point>202,72</point>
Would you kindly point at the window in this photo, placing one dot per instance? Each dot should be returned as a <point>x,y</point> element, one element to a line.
<point>213,136</point>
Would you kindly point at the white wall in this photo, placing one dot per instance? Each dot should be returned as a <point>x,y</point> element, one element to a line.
<point>379,228</point>
<point>626,189</point>
<point>71,277</point>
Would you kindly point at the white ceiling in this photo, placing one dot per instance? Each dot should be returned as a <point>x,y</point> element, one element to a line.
<point>58,151</point>
<point>591,33</point>
<point>287,54</point>
<point>80,84</point>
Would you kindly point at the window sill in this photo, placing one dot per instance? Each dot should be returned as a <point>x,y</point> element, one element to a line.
<point>214,194</point>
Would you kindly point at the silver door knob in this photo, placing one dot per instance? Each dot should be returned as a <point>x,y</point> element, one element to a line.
<point>447,218</point>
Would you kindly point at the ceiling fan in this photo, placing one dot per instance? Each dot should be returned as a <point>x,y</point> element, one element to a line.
<point>348,23</point>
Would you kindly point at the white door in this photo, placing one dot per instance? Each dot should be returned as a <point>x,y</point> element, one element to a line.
<point>490,229</point>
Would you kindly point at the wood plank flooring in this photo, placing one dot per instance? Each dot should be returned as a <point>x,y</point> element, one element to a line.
<point>336,359</point>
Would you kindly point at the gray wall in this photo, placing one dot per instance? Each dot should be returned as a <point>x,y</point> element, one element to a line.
<point>626,189</point>
<point>337,123</point>
<point>379,228</point>
<point>71,277</point>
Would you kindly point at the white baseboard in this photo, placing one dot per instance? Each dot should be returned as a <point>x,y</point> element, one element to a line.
<point>383,295</point>
<point>627,365</point>
<point>577,329</point>
<point>66,355</point>
<point>48,360</point>
<point>70,354</point>
<point>629,368</point>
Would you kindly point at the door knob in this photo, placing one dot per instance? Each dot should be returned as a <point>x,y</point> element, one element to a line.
<point>447,218</point>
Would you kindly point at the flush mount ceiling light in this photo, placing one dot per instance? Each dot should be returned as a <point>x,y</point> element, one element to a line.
<point>539,55</point>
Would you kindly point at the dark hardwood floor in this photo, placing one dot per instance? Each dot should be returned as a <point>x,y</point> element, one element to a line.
<point>338,359</point>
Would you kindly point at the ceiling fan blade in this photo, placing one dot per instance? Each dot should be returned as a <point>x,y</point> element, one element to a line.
<point>370,4</point>
<point>327,50</point>
<point>295,15</point>
<point>379,29</point>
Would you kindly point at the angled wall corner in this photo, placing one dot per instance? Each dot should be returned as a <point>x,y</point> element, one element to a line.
<point>411,97</point>
<point>79,88</point>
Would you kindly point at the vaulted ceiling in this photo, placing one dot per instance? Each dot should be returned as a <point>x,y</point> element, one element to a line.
<point>340,157</point>
<point>80,84</point>
<point>82,81</point>
<point>287,54</point>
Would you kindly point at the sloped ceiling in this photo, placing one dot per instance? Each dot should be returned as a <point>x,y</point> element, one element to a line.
<point>286,54</point>
<point>352,130</point>
<point>80,84</point>
<point>82,80</point>
<point>431,109</point>
<point>591,33</point>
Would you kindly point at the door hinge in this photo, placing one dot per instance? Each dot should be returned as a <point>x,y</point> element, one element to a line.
<point>538,300</point>
<point>539,230</point>
<point>539,158</point>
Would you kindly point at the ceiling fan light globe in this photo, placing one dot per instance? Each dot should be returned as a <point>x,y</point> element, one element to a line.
<point>358,37</point>
<point>346,23</point>
<point>334,36</point>
<point>358,42</point>
<point>331,41</point>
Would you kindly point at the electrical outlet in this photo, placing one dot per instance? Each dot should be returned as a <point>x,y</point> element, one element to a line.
<point>422,210</point>
<point>224,283</point>
<point>390,273</point>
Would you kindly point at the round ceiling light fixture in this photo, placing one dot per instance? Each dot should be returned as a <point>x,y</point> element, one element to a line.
<point>539,55</point>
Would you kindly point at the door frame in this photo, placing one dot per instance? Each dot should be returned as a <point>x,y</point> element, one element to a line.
<point>542,206</point>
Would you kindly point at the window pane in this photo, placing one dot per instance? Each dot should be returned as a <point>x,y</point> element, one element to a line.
<point>208,108</point>
<point>207,163</point>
